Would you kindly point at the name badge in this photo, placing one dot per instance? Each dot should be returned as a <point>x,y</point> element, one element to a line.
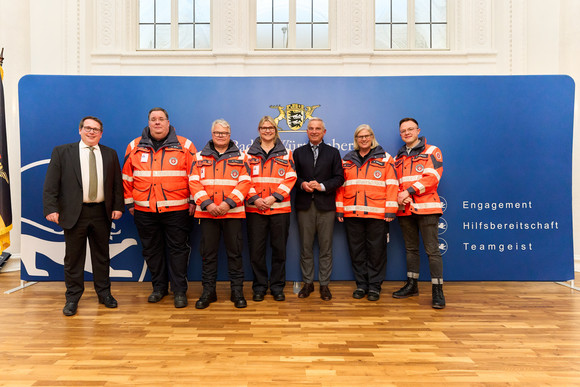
<point>144,157</point>
<point>202,173</point>
<point>256,171</point>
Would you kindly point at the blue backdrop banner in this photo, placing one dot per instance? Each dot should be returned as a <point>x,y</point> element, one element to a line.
<point>506,143</point>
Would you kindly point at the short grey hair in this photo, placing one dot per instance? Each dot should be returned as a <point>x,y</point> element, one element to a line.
<point>221,122</point>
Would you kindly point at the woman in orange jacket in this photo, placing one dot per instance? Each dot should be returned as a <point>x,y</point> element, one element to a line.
<point>366,202</point>
<point>268,208</point>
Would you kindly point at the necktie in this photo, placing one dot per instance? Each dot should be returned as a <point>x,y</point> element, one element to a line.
<point>315,151</point>
<point>93,180</point>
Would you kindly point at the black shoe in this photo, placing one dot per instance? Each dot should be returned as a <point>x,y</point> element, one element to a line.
<point>109,301</point>
<point>306,290</point>
<point>373,295</point>
<point>207,297</point>
<point>70,308</point>
<point>180,300</point>
<point>359,293</point>
<point>325,293</point>
<point>157,296</point>
<point>258,296</point>
<point>410,289</point>
<point>438,297</point>
<point>279,296</point>
<point>238,299</point>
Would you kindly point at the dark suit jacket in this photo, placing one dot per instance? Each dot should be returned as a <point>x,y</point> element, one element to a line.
<point>328,171</point>
<point>63,185</point>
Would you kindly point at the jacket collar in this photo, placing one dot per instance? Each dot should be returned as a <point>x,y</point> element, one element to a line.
<point>170,142</point>
<point>376,152</point>
<point>278,150</point>
<point>417,149</point>
<point>209,150</point>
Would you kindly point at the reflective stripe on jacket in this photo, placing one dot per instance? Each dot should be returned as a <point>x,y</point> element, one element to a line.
<point>370,186</point>
<point>273,174</point>
<point>419,173</point>
<point>157,181</point>
<point>215,179</point>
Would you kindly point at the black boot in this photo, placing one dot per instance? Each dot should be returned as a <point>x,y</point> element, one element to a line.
<point>410,289</point>
<point>438,297</point>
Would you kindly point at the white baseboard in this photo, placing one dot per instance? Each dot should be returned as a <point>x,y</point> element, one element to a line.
<point>12,264</point>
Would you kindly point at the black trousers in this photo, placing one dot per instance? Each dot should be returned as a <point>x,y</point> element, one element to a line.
<point>367,245</point>
<point>427,225</point>
<point>259,227</point>
<point>93,224</point>
<point>211,231</point>
<point>165,240</point>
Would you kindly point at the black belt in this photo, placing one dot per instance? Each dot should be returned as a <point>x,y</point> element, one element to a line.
<point>93,204</point>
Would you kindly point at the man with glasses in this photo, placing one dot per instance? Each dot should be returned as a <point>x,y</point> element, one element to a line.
<point>83,194</point>
<point>219,183</point>
<point>319,170</point>
<point>156,182</point>
<point>419,168</point>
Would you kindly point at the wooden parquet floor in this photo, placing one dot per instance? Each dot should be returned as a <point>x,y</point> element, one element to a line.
<point>504,333</point>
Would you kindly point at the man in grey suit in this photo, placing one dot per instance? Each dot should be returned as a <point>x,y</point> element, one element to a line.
<point>319,170</point>
<point>83,193</point>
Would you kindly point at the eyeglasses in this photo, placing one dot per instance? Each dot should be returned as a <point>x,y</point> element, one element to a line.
<point>221,134</point>
<point>408,130</point>
<point>267,128</point>
<point>88,129</point>
<point>364,137</point>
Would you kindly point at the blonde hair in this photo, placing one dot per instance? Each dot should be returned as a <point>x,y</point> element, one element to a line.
<point>271,121</point>
<point>361,128</point>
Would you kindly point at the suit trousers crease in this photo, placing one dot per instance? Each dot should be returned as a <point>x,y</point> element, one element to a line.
<point>315,223</point>
<point>367,244</point>
<point>93,224</point>
<point>427,225</point>
<point>260,227</point>
<point>211,231</point>
<point>165,240</point>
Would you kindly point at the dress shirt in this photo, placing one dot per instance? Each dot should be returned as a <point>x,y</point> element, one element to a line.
<point>84,157</point>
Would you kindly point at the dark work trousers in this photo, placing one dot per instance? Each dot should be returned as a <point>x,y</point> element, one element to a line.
<point>211,230</point>
<point>427,225</point>
<point>259,227</point>
<point>165,240</point>
<point>367,245</point>
<point>93,224</point>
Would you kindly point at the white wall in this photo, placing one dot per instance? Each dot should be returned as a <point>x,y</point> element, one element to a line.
<point>97,37</point>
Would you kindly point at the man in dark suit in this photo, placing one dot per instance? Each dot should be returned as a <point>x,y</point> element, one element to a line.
<point>319,170</point>
<point>83,193</point>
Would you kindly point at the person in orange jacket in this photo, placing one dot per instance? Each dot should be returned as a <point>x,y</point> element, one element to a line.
<point>366,203</point>
<point>419,169</point>
<point>219,182</point>
<point>268,208</point>
<point>156,184</point>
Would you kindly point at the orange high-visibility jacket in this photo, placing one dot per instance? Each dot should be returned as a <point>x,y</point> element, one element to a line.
<point>370,186</point>
<point>215,179</point>
<point>272,174</point>
<point>158,181</point>
<point>419,172</point>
